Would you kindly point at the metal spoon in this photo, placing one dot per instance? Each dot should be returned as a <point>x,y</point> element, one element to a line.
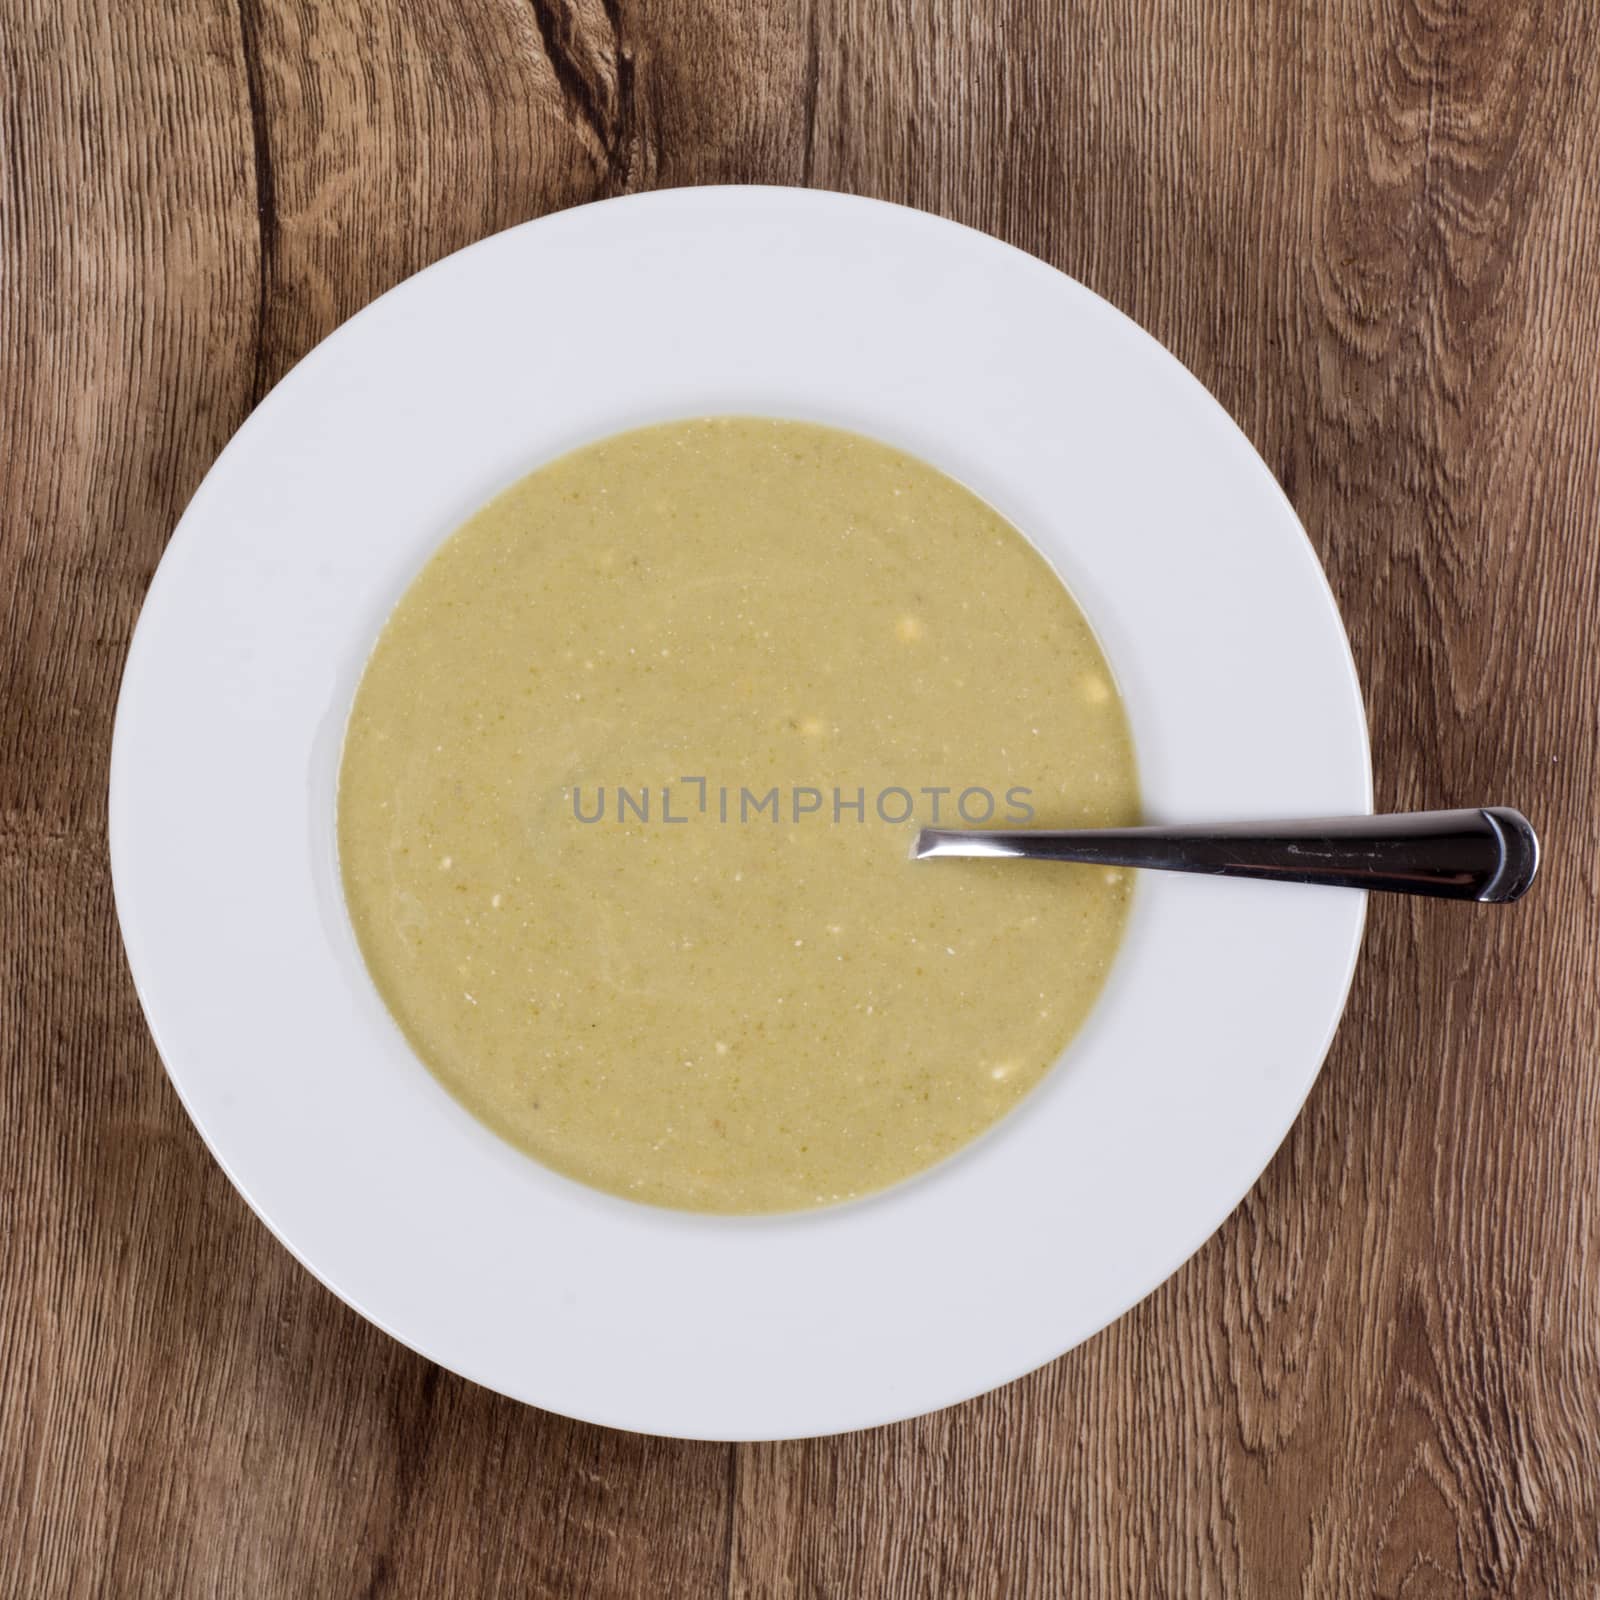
<point>1489,854</point>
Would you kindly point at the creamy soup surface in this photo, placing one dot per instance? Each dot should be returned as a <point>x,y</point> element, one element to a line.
<point>777,1010</point>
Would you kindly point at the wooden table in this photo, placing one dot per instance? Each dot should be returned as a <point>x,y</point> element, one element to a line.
<point>1373,228</point>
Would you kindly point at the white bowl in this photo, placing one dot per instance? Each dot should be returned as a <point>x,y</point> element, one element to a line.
<point>1093,440</point>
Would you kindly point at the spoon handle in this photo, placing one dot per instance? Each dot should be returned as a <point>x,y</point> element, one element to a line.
<point>1490,853</point>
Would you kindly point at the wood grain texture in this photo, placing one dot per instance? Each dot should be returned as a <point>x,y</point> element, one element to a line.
<point>1372,227</point>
